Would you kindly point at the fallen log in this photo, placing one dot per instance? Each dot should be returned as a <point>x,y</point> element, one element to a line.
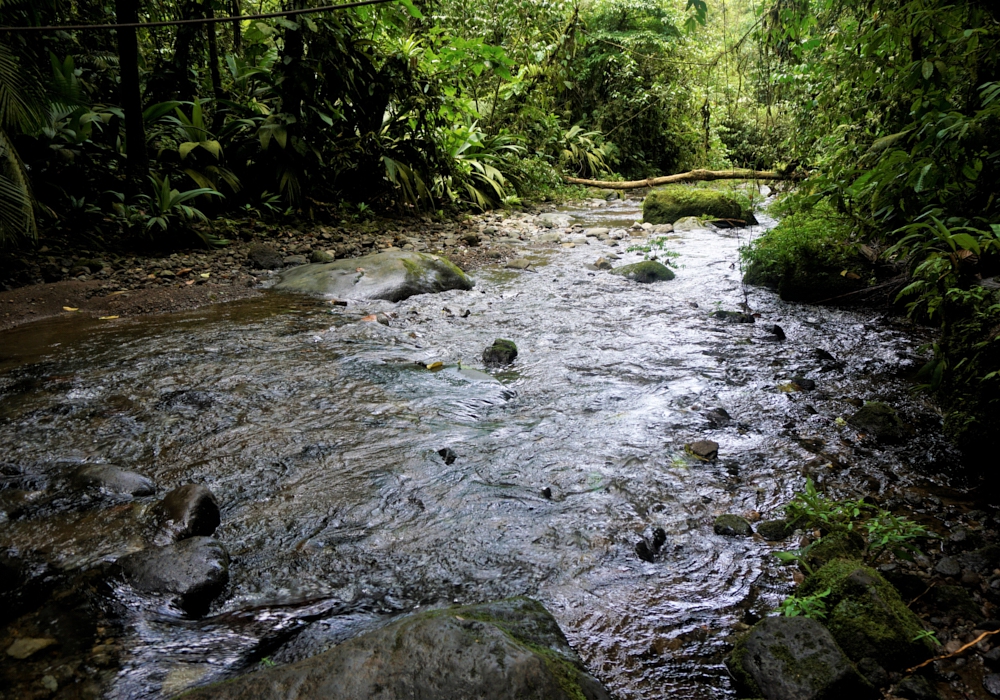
<point>691,176</point>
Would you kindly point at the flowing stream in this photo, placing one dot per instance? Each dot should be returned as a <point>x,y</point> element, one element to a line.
<point>320,433</point>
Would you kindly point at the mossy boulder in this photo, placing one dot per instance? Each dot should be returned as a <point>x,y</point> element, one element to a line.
<point>508,649</point>
<point>839,544</point>
<point>866,615</point>
<point>794,658</point>
<point>880,421</point>
<point>392,275</point>
<point>646,272</point>
<point>502,352</point>
<point>667,205</point>
<point>774,530</point>
<point>732,525</point>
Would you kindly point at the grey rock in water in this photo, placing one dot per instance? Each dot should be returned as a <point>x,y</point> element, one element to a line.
<point>794,658</point>
<point>391,275</point>
<point>555,220</point>
<point>321,256</point>
<point>880,421</point>
<point>596,232</point>
<point>502,352</point>
<point>732,316</point>
<point>732,525</point>
<point>112,479</point>
<point>192,572</point>
<point>190,510</point>
<point>774,530</point>
<point>519,264</point>
<point>706,449</point>
<point>646,272</point>
<point>497,651</point>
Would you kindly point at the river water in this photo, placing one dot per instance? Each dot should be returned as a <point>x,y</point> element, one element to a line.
<point>320,433</point>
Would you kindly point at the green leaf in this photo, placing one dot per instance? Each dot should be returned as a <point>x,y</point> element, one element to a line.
<point>928,70</point>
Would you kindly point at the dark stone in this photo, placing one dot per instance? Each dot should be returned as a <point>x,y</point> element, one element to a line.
<point>718,417</point>
<point>264,257</point>
<point>659,538</point>
<point>643,551</point>
<point>948,566</point>
<point>955,600</point>
<point>840,544</point>
<point>805,384</point>
<point>873,672</point>
<point>992,658</point>
<point>502,352</point>
<point>192,572</point>
<point>497,651</point>
<point>471,239</point>
<point>777,332</point>
<point>916,688</point>
<point>880,421</point>
<point>547,492</point>
<point>646,272</point>
<point>391,275</point>
<point>982,560</point>
<point>187,511</point>
<point>794,658</point>
<point>190,399</point>
<point>448,455</point>
<point>774,530</point>
<point>705,449</point>
<point>732,317</point>
<point>732,525</point>
<point>112,479</point>
<point>991,683</point>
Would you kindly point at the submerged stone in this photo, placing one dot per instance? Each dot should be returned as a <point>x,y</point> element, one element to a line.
<point>187,511</point>
<point>392,275</point>
<point>112,479</point>
<point>496,651</point>
<point>794,658</point>
<point>732,525</point>
<point>646,271</point>
<point>774,530</point>
<point>669,204</point>
<point>880,421</point>
<point>192,572</point>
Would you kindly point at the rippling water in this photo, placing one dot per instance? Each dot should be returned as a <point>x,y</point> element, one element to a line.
<point>319,433</point>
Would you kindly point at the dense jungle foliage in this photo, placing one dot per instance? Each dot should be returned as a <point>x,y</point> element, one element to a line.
<point>146,137</point>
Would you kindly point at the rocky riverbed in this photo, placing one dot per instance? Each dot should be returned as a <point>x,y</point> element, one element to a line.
<point>367,460</point>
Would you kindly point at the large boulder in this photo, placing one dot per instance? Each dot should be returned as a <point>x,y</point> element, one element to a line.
<point>392,275</point>
<point>880,421</point>
<point>667,205</point>
<point>191,573</point>
<point>866,615</point>
<point>646,272</point>
<point>794,658</point>
<point>497,651</point>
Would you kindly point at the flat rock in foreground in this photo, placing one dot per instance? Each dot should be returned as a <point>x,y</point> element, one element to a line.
<point>496,651</point>
<point>392,275</point>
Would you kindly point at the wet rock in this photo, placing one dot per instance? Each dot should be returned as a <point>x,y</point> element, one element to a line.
<point>777,332</point>
<point>773,530</point>
<point>644,551</point>
<point>732,525</point>
<point>948,566</point>
<point>24,647</point>
<point>866,615</point>
<point>519,264</point>
<point>547,493</point>
<point>667,205</point>
<point>501,353</point>
<point>873,672</point>
<point>718,417</point>
<point>391,275</point>
<point>596,232</point>
<point>321,256</point>
<point>295,260</point>
<point>915,688</point>
<point>804,384</point>
<point>659,538</point>
<point>603,264</point>
<point>688,223</point>
<point>794,658</point>
<point>840,544</point>
<point>732,317</point>
<point>992,658</point>
<point>991,684</point>
<point>111,479</point>
<point>880,421</point>
<point>471,239</point>
<point>497,651</point>
<point>555,220</point>
<point>192,572</point>
<point>448,455</point>
<point>983,560</point>
<point>187,511</point>
<point>705,449</point>
<point>262,256</point>
<point>955,600</point>
<point>646,272</point>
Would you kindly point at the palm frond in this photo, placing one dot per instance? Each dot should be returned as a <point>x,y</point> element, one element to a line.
<point>17,212</point>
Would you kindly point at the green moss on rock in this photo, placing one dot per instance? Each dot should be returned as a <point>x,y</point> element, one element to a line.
<point>880,421</point>
<point>841,544</point>
<point>667,205</point>
<point>774,530</point>
<point>502,352</point>
<point>646,272</point>
<point>866,615</point>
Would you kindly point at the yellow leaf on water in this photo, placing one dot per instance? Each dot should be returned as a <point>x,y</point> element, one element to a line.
<point>435,365</point>
<point>70,308</point>
<point>106,318</point>
<point>205,275</point>
<point>369,317</point>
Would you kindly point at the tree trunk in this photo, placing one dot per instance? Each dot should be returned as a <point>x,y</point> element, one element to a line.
<point>219,120</point>
<point>137,160</point>
<point>691,176</point>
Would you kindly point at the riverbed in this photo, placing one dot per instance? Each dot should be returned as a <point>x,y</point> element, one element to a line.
<point>324,436</point>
